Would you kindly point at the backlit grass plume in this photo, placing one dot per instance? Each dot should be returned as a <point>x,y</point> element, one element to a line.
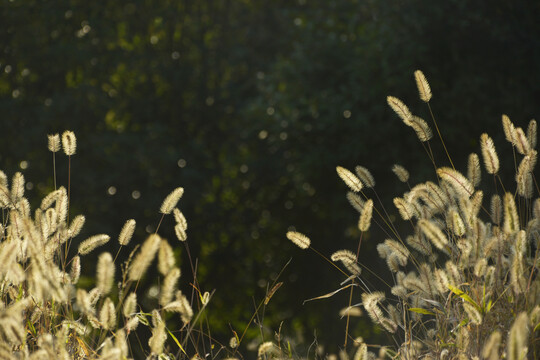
<point>45,311</point>
<point>465,264</point>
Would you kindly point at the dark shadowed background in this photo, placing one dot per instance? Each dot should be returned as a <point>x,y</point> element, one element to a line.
<point>250,105</point>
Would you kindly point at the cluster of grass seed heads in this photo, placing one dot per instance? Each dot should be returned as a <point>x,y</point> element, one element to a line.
<point>42,314</point>
<point>466,277</point>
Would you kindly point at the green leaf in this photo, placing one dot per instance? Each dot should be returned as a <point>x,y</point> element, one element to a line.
<point>176,341</point>
<point>421,311</point>
<point>464,296</point>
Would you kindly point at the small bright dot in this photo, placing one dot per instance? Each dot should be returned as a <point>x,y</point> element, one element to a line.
<point>182,163</point>
<point>154,39</point>
<point>86,29</point>
<point>15,93</point>
<point>347,114</point>
<point>153,291</point>
<point>175,55</point>
<point>260,75</point>
<point>111,190</point>
<point>25,72</point>
<point>209,101</point>
<point>297,21</point>
<point>23,164</point>
<point>270,110</point>
<point>283,136</point>
<point>149,229</point>
<point>263,134</point>
<point>244,168</point>
<point>136,194</point>
<point>48,102</point>
<point>29,185</point>
<point>7,69</point>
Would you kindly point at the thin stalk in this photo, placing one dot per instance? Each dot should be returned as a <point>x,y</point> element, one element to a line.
<point>440,136</point>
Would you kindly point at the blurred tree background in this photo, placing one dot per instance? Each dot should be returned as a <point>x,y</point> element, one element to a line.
<point>250,105</point>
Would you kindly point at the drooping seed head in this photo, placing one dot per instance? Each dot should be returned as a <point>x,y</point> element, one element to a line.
<point>422,129</point>
<point>400,109</point>
<point>459,182</point>
<point>349,179</point>
<point>365,176</point>
<point>356,201</point>
<point>180,218</point>
<point>299,239</point>
<point>93,242</point>
<point>401,173</point>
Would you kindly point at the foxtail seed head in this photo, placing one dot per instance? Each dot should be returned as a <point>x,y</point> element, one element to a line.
<point>54,142</point>
<point>349,179</point>
<point>69,143</point>
<point>171,200</point>
<point>299,239</point>
<point>401,173</point>
<point>144,257</point>
<point>491,160</point>
<point>105,273</point>
<point>365,176</point>
<point>400,109</point>
<point>424,90</point>
<point>127,232</point>
<point>93,242</point>
<point>473,169</point>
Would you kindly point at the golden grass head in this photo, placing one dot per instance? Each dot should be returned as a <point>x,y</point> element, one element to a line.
<point>491,160</point>
<point>424,90</point>
<point>299,239</point>
<point>145,256</point>
<point>401,173</point>
<point>92,243</point>
<point>54,143</point>
<point>350,179</point>
<point>127,232</point>
<point>365,176</point>
<point>171,200</point>
<point>400,109</point>
<point>69,142</point>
